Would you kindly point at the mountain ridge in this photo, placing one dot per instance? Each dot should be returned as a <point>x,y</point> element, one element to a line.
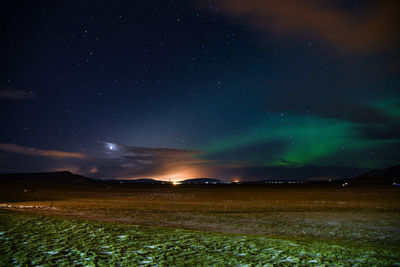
<point>379,176</point>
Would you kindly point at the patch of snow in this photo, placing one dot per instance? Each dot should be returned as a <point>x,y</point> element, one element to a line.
<point>290,259</point>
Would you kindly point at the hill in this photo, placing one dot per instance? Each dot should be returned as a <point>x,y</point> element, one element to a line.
<point>63,177</point>
<point>388,176</point>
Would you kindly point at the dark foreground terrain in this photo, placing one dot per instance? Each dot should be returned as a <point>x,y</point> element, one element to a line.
<point>88,223</point>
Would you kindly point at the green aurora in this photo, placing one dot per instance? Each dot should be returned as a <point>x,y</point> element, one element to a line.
<point>314,140</point>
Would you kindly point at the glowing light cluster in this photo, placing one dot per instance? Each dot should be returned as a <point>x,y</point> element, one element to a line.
<point>111,146</point>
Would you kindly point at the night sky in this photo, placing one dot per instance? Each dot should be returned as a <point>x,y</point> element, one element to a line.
<point>227,89</point>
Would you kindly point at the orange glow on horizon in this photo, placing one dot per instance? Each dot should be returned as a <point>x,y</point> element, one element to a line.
<point>177,176</point>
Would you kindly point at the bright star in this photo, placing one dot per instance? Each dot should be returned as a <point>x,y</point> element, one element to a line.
<point>111,146</point>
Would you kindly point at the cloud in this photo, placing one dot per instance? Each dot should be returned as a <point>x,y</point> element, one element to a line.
<point>39,152</point>
<point>374,30</point>
<point>380,132</point>
<point>162,154</point>
<point>141,162</point>
<point>15,94</point>
<point>163,164</point>
<point>371,121</point>
<point>356,113</point>
<point>126,162</point>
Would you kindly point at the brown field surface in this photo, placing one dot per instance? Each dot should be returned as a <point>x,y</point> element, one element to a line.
<point>367,214</point>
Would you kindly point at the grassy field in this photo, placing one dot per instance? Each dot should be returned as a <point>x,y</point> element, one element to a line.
<point>39,240</point>
<point>206,225</point>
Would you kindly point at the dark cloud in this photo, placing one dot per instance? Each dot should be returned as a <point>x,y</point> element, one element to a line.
<point>390,131</point>
<point>161,153</point>
<point>15,94</point>
<point>159,168</point>
<point>13,148</point>
<point>137,162</point>
<point>126,162</point>
<point>165,163</point>
<point>19,163</point>
<point>374,31</point>
<point>323,99</point>
<point>356,113</point>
